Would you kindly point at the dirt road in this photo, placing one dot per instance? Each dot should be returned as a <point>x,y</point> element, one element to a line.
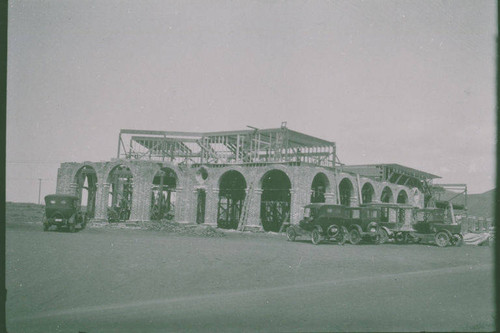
<point>139,281</point>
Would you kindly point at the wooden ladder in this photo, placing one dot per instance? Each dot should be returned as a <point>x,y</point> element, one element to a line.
<point>246,208</point>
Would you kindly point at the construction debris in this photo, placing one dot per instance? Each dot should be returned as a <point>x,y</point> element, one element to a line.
<point>478,239</point>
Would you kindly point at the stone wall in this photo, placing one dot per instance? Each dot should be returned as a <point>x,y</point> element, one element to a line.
<point>189,181</point>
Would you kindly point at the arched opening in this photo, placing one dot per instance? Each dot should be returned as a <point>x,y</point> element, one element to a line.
<point>86,189</point>
<point>232,193</point>
<point>120,193</point>
<point>346,189</point>
<point>275,200</point>
<point>386,195</point>
<point>367,193</point>
<point>319,187</point>
<point>402,197</point>
<point>163,196</point>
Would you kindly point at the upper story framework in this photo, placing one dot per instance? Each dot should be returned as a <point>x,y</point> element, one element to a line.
<point>254,146</point>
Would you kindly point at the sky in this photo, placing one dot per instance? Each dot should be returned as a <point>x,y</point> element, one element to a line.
<point>407,82</point>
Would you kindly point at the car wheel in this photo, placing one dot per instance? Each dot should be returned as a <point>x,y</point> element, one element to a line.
<point>291,234</point>
<point>400,238</point>
<point>315,237</point>
<point>457,239</point>
<point>442,239</point>
<point>354,236</point>
<point>376,239</point>
<point>344,235</point>
<point>384,236</point>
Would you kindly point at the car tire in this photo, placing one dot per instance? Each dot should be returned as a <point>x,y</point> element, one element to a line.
<point>442,239</point>
<point>315,237</point>
<point>384,236</point>
<point>400,238</point>
<point>457,239</point>
<point>354,236</point>
<point>291,234</point>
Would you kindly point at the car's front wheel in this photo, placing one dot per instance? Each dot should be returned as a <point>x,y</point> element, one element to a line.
<point>291,234</point>
<point>384,236</point>
<point>400,238</point>
<point>315,237</point>
<point>442,239</point>
<point>355,236</point>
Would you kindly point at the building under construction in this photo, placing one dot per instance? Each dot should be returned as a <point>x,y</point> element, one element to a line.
<point>254,178</point>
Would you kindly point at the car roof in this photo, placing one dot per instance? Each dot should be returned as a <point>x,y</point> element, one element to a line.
<point>319,205</point>
<point>60,196</point>
<point>386,204</point>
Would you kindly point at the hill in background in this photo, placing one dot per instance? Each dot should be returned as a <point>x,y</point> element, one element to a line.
<point>482,204</point>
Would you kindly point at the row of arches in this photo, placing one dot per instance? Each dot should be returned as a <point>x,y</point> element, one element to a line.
<point>275,199</point>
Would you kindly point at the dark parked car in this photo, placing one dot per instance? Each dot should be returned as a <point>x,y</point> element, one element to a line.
<point>363,223</point>
<point>438,225</point>
<point>395,220</point>
<point>321,222</point>
<point>63,211</point>
<point>406,224</point>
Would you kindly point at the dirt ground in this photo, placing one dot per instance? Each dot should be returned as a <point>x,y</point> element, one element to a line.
<point>103,280</point>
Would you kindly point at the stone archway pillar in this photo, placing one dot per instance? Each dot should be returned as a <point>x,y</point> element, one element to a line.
<point>101,201</point>
<point>330,198</point>
<point>254,209</point>
<point>73,189</point>
<point>354,200</point>
<point>182,206</point>
<point>211,205</point>
<point>299,198</point>
<point>141,199</point>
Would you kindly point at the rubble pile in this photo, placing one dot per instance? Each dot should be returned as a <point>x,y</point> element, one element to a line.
<point>195,230</point>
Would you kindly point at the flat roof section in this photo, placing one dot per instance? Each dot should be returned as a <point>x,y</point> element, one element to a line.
<point>378,169</point>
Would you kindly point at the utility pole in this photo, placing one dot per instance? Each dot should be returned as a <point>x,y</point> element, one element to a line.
<point>39,189</point>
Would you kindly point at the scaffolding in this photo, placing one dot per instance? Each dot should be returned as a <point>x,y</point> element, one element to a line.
<point>255,146</point>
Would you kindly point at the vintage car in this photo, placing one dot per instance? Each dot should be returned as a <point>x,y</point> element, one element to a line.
<point>406,224</point>
<point>395,220</point>
<point>320,222</point>
<point>436,224</point>
<point>63,211</point>
<point>363,223</point>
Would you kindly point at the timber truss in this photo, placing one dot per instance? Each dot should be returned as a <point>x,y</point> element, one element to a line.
<point>255,146</point>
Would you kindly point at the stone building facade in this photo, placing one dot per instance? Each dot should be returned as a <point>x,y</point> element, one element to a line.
<point>198,192</point>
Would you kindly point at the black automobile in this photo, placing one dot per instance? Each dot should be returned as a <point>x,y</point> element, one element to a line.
<point>320,222</point>
<point>63,211</point>
<point>407,224</point>
<point>363,223</point>
<point>437,224</point>
<point>395,220</point>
